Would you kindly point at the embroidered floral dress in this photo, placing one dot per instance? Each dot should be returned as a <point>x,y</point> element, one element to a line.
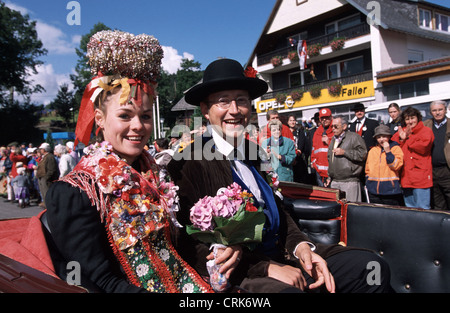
<point>136,208</point>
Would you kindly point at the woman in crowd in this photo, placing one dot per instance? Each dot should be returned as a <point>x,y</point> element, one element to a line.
<point>395,120</point>
<point>111,214</point>
<point>66,161</point>
<point>416,141</point>
<point>281,151</point>
<point>300,169</point>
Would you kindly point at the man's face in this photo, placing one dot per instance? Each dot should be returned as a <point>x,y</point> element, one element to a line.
<point>360,114</point>
<point>326,121</point>
<point>338,127</point>
<point>228,121</point>
<point>274,117</point>
<point>438,112</point>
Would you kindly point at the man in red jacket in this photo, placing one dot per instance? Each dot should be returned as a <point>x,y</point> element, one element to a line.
<point>320,142</point>
<point>265,132</point>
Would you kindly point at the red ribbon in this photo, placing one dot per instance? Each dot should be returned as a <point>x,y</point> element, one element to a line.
<point>85,120</point>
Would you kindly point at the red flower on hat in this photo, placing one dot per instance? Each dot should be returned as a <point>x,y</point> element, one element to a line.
<point>250,72</point>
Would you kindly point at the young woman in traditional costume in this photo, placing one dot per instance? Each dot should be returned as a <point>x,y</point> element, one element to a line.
<point>112,215</point>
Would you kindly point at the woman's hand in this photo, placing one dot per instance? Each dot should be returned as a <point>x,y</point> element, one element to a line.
<point>228,257</point>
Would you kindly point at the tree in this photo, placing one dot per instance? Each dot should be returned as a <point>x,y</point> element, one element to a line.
<point>64,103</point>
<point>83,76</point>
<point>18,123</point>
<point>20,49</point>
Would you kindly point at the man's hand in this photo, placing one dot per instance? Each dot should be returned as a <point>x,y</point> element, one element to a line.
<point>287,274</point>
<point>230,257</point>
<point>316,267</point>
<point>338,151</point>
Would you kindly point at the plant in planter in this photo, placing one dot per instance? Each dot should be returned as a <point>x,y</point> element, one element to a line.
<point>314,50</point>
<point>297,95</point>
<point>280,98</point>
<point>315,91</point>
<point>334,89</point>
<point>293,56</point>
<point>337,43</point>
<point>276,60</point>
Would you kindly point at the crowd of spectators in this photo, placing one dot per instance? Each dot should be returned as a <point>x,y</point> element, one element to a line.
<point>26,172</point>
<point>405,162</point>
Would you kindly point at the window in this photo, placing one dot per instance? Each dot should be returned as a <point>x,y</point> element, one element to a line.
<point>345,68</point>
<point>415,56</point>
<point>425,18</point>
<point>406,90</point>
<point>342,24</point>
<point>442,22</point>
<point>300,78</point>
<point>294,39</point>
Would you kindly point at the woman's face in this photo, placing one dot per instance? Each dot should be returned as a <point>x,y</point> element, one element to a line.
<point>292,122</point>
<point>382,139</point>
<point>411,121</point>
<point>126,127</point>
<point>275,131</point>
<point>393,113</point>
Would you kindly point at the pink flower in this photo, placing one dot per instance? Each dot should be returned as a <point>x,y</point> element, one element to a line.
<point>201,214</point>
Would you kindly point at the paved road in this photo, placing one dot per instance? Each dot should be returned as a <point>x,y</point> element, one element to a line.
<point>10,210</point>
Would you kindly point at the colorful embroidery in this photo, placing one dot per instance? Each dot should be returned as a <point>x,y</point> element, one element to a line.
<point>137,208</point>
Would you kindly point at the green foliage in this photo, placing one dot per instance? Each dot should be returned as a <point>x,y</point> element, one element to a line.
<point>171,88</point>
<point>20,49</point>
<point>64,103</point>
<point>18,123</point>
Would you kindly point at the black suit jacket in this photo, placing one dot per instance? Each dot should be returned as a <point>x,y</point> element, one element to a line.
<point>197,178</point>
<point>368,131</point>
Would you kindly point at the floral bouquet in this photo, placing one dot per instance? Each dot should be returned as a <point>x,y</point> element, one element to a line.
<point>229,218</point>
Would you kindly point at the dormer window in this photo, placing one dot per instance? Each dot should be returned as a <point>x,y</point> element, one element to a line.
<point>425,18</point>
<point>442,22</point>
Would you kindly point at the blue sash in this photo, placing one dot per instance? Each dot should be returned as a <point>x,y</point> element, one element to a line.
<point>272,224</point>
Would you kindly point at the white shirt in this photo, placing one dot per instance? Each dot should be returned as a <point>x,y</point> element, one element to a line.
<point>244,173</point>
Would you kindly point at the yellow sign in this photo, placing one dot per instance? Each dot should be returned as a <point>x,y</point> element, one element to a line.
<point>348,92</point>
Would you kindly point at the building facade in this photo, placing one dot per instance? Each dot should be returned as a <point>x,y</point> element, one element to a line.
<point>375,52</point>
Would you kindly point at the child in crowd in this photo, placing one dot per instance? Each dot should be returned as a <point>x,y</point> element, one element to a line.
<point>383,165</point>
<point>22,184</point>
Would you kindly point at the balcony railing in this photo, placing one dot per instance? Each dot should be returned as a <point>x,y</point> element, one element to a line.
<point>348,33</point>
<point>353,79</point>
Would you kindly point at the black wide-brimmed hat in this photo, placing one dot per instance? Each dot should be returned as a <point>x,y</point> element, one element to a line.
<point>358,107</point>
<point>225,74</point>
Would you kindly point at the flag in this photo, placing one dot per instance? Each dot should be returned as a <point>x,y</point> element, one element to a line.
<point>301,50</point>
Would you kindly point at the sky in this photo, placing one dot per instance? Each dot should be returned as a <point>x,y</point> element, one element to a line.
<point>200,30</point>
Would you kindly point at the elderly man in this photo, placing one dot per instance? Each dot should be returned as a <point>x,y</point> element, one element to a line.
<point>285,259</point>
<point>47,170</point>
<point>440,156</point>
<point>346,156</point>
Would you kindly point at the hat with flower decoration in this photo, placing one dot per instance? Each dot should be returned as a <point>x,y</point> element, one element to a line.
<point>122,59</point>
<point>226,74</point>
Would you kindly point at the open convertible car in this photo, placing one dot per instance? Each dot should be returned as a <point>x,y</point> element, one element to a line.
<point>414,242</point>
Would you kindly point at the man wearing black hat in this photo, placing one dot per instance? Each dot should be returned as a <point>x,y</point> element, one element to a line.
<point>286,259</point>
<point>363,125</point>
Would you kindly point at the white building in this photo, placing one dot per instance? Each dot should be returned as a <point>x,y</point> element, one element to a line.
<point>394,51</point>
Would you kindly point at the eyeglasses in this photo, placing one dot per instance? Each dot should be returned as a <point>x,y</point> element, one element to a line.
<point>225,103</point>
<point>335,126</point>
